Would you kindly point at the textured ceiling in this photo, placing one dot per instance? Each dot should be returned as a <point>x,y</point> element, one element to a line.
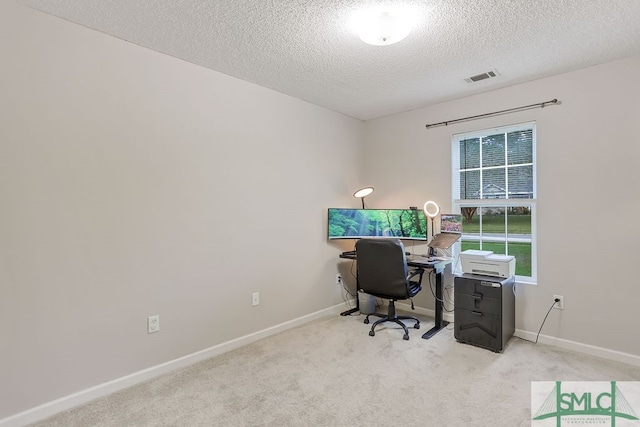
<point>307,48</point>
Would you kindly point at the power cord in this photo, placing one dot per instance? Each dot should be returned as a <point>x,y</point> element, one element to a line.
<point>555,301</point>
<point>446,293</point>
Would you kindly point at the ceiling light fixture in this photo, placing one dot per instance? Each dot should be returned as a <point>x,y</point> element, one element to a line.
<point>381,27</point>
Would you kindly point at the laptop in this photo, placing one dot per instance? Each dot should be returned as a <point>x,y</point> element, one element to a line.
<point>450,231</point>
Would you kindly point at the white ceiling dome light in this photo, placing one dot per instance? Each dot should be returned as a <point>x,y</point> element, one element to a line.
<point>384,26</point>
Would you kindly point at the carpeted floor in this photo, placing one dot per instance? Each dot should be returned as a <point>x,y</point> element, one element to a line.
<point>332,373</point>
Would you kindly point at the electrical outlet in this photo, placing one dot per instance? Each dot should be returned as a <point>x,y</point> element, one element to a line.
<point>255,298</point>
<point>338,279</point>
<point>153,324</point>
<point>560,304</point>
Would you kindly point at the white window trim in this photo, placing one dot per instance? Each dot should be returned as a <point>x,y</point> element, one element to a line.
<point>457,204</point>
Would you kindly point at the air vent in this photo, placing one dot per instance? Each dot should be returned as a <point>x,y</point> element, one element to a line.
<point>482,76</point>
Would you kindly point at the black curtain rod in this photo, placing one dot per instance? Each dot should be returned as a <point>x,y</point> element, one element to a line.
<point>495,113</point>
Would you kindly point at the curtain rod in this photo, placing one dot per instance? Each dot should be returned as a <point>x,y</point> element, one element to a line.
<point>495,113</point>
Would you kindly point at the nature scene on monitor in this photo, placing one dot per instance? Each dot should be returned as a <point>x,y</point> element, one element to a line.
<point>356,223</point>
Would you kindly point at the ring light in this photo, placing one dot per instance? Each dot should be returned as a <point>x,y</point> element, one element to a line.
<point>431,209</point>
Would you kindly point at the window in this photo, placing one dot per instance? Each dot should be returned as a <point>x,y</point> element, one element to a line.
<point>494,188</point>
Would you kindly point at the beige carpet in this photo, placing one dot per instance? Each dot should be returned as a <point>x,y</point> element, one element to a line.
<point>332,373</point>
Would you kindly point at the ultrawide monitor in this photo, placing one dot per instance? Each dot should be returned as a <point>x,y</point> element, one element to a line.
<point>407,224</point>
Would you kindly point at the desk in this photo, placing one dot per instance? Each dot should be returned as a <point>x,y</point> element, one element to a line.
<point>437,267</point>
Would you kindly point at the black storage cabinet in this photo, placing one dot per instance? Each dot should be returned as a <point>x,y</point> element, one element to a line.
<point>485,313</point>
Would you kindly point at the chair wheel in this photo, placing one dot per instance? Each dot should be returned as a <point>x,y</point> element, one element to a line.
<point>366,321</point>
<point>372,334</point>
<point>417,325</point>
<point>405,337</point>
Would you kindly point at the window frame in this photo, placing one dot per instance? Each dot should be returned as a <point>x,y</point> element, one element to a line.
<point>505,203</point>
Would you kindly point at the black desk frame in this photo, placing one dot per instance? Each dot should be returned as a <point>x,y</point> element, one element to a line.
<point>438,268</point>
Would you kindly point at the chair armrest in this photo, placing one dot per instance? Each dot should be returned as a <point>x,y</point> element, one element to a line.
<point>414,273</point>
<point>414,286</point>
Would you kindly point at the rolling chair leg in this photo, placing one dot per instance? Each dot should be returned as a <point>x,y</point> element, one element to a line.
<point>372,332</point>
<point>416,325</point>
<point>392,317</point>
<point>366,319</point>
<point>406,331</point>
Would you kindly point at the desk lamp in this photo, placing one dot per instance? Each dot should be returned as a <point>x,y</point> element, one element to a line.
<point>362,193</point>
<point>431,209</point>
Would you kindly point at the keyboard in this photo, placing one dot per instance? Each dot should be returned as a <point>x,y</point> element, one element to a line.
<point>422,261</point>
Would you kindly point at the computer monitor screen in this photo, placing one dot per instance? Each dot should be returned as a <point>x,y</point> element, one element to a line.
<point>450,223</point>
<point>407,224</point>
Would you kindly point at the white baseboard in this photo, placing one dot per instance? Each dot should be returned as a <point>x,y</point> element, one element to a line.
<point>84,396</point>
<point>605,353</point>
<point>71,401</point>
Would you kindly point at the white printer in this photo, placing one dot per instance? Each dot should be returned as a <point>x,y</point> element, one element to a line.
<point>487,263</point>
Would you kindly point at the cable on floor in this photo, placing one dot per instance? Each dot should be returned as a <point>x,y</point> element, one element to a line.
<point>543,320</point>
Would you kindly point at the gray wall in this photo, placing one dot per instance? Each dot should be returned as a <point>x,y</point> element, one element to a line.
<point>588,231</point>
<point>133,184</point>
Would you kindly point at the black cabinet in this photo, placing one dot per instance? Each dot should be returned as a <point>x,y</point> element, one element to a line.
<point>484,310</point>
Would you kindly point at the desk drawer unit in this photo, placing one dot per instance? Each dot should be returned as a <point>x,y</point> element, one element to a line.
<point>484,310</point>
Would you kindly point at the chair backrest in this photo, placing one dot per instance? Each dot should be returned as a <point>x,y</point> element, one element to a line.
<point>382,268</point>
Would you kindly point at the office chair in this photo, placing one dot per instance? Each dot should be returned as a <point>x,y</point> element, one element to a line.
<point>383,272</point>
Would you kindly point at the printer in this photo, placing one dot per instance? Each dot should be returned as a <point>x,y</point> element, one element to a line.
<point>487,263</point>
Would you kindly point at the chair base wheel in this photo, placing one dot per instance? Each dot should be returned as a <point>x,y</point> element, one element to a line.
<point>417,326</point>
<point>372,334</point>
<point>405,337</point>
<point>366,321</point>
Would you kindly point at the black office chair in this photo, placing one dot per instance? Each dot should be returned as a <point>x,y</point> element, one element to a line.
<point>383,272</point>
